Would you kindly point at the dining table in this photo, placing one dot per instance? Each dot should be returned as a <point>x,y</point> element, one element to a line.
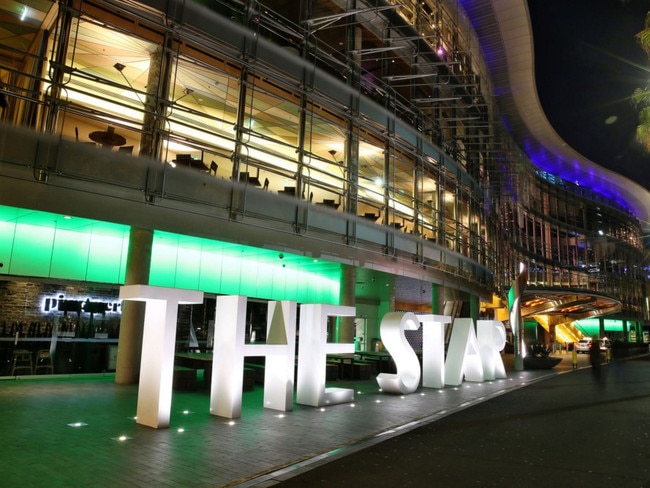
<point>107,138</point>
<point>329,203</point>
<point>203,360</point>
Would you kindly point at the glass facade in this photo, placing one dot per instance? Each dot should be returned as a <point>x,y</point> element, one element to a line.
<point>383,115</point>
<point>260,126</point>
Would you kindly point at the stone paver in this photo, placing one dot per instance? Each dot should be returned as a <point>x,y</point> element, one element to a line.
<point>44,447</point>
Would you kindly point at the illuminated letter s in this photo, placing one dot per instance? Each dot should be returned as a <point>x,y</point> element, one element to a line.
<point>391,330</point>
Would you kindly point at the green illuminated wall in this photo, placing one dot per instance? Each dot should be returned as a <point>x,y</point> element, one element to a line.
<point>224,268</point>
<point>613,325</point>
<point>589,327</point>
<point>45,245</point>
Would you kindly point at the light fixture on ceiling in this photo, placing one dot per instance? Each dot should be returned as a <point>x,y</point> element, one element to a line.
<point>120,67</point>
<point>333,154</point>
<point>323,22</point>
<point>411,76</point>
<point>186,91</point>
<point>434,99</point>
<point>375,50</point>
<point>340,164</point>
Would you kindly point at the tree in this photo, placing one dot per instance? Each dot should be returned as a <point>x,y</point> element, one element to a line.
<point>641,96</point>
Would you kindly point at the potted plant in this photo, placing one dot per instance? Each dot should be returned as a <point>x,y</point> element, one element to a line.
<point>539,357</point>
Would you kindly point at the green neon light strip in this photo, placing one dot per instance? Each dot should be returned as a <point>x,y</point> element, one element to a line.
<point>592,326</point>
<point>47,245</point>
<point>234,269</point>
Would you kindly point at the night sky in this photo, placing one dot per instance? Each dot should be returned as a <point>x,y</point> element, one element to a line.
<point>588,65</point>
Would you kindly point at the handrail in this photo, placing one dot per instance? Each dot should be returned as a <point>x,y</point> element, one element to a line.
<point>71,178</point>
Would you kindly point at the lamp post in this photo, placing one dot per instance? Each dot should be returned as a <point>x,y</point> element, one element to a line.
<point>516,323</point>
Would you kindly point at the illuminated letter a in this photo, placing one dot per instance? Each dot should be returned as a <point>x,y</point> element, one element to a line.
<point>463,355</point>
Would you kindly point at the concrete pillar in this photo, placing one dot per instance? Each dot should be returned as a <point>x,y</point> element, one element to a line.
<point>345,332</point>
<point>474,307</point>
<point>437,299</point>
<point>138,261</point>
<point>601,327</point>
<point>129,348</point>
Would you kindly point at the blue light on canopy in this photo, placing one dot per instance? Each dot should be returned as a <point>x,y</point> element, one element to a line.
<point>581,173</point>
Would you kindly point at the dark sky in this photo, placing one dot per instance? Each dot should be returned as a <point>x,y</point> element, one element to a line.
<point>588,64</point>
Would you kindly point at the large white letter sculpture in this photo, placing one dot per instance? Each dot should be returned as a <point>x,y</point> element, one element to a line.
<point>280,368</point>
<point>230,350</point>
<point>312,356</point>
<point>158,347</point>
<point>491,335</point>
<point>433,349</point>
<point>463,356</point>
<point>392,335</point>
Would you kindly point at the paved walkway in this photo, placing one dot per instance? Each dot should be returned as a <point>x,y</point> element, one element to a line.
<point>576,430</point>
<point>80,431</point>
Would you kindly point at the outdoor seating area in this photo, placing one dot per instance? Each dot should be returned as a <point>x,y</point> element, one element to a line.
<point>191,368</point>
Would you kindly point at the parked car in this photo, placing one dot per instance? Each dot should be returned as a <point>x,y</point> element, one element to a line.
<point>585,344</point>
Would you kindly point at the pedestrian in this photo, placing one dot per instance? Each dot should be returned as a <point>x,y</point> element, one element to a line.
<point>594,358</point>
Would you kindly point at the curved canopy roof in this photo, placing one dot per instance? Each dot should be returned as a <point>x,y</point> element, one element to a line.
<point>505,34</point>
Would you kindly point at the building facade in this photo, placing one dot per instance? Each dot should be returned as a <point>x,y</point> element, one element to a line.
<point>322,151</point>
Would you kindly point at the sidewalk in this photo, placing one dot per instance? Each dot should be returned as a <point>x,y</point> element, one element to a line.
<point>80,431</point>
<point>577,430</point>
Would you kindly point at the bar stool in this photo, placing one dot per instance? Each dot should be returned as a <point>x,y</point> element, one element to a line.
<point>21,361</point>
<point>43,362</point>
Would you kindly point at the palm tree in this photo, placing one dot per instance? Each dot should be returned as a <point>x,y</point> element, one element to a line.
<point>641,96</point>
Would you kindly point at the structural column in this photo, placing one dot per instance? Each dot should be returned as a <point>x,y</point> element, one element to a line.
<point>474,307</point>
<point>437,299</point>
<point>58,64</point>
<point>138,263</point>
<point>129,348</point>
<point>345,332</point>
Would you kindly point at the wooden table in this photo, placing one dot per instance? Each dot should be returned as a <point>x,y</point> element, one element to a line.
<point>203,360</point>
<point>352,366</point>
<point>370,216</point>
<point>108,138</point>
<point>288,190</point>
<point>329,203</point>
<point>383,358</point>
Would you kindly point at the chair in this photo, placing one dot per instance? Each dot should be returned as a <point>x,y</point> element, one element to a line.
<point>43,362</point>
<point>21,361</point>
<point>184,160</point>
<point>126,149</point>
<point>213,168</point>
<point>76,136</point>
<point>255,180</point>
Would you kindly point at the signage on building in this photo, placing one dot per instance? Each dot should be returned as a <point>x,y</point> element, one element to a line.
<point>61,303</point>
<point>473,354</point>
